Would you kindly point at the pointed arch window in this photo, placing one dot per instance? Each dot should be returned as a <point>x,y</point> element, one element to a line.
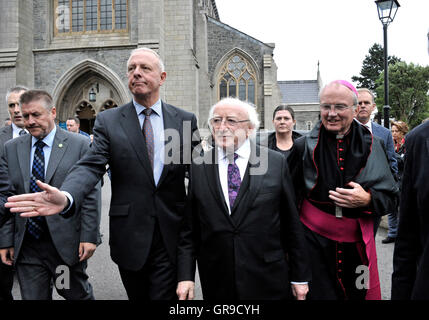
<point>237,78</point>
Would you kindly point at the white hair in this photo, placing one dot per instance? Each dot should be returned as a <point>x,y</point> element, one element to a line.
<point>234,102</point>
<point>144,49</point>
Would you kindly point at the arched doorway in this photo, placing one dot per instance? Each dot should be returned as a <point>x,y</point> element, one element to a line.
<point>87,89</point>
<point>86,114</point>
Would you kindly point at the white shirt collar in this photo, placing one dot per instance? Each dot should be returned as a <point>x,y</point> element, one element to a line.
<point>243,151</point>
<point>16,130</point>
<point>157,107</point>
<point>368,124</point>
<point>48,140</point>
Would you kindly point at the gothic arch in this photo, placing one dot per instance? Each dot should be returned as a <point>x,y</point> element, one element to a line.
<point>108,104</point>
<point>91,69</point>
<point>251,64</point>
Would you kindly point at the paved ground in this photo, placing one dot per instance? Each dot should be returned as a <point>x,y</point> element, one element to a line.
<point>105,279</point>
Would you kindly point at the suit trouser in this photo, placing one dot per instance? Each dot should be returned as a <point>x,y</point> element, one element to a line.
<point>39,268</point>
<point>157,280</point>
<point>6,282</point>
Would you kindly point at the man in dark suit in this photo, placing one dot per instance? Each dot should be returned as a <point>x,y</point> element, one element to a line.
<point>366,105</point>
<point>47,249</point>
<point>410,279</point>
<point>147,174</point>
<point>15,129</point>
<point>242,225</point>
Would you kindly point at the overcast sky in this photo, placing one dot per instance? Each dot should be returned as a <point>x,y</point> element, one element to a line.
<point>338,33</point>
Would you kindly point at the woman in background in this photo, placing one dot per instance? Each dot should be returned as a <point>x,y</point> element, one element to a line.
<point>399,130</point>
<point>283,138</point>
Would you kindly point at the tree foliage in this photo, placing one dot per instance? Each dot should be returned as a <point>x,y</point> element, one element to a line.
<point>408,92</point>
<point>372,66</point>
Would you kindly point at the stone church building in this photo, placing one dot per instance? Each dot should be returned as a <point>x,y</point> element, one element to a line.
<point>77,50</point>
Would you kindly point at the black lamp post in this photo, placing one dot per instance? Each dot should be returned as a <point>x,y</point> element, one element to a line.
<point>386,13</point>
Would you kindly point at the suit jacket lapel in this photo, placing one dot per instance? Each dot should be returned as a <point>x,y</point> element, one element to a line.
<point>59,148</point>
<point>24,150</point>
<point>212,174</point>
<point>10,132</point>
<point>130,124</point>
<point>170,122</point>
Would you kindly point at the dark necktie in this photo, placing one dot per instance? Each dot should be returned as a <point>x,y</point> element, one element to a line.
<point>148,134</point>
<point>22,132</point>
<point>35,224</point>
<point>234,181</point>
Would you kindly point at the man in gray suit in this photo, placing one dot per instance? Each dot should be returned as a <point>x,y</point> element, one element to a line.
<point>147,144</point>
<point>53,249</point>
<point>366,106</point>
<point>15,129</point>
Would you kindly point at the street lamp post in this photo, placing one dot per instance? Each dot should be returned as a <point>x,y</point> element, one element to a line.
<point>386,13</point>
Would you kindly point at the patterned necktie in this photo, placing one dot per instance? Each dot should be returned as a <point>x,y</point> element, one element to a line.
<point>148,134</point>
<point>35,224</point>
<point>22,132</point>
<point>234,181</point>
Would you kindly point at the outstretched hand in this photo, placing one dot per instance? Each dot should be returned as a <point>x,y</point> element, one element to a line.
<point>48,202</point>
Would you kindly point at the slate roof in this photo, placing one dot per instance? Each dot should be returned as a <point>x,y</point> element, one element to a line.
<point>299,91</point>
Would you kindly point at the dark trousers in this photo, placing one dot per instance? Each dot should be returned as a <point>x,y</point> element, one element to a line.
<point>157,280</point>
<point>39,268</point>
<point>6,282</point>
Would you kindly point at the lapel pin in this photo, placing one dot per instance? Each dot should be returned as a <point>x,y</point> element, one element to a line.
<point>60,145</point>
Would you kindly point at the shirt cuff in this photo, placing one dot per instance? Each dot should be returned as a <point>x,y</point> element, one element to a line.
<point>293,282</point>
<point>69,196</point>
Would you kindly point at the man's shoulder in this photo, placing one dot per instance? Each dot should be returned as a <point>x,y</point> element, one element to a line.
<point>5,131</point>
<point>83,133</point>
<point>113,112</point>
<point>182,112</point>
<point>379,128</point>
<point>419,132</point>
<point>16,142</point>
<point>72,137</point>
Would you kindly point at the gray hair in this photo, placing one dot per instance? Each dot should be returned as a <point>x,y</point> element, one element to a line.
<point>144,49</point>
<point>37,95</point>
<point>251,111</point>
<point>16,89</point>
<point>368,91</point>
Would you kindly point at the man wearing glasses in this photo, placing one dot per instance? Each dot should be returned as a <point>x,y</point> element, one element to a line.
<point>363,115</point>
<point>241,224</point>
<point>343,182</point>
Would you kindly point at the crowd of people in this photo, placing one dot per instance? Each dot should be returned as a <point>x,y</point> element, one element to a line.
<point>287,217</point>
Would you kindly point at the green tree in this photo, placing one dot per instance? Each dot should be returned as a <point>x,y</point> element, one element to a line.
<point>408,92</point>
<point>372,66</point>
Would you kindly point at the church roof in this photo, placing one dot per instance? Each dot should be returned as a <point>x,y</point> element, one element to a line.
<point>299,91</point>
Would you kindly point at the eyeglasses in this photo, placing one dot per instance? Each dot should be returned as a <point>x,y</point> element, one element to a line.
<point>229,122</point>
<point>337,107</point>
